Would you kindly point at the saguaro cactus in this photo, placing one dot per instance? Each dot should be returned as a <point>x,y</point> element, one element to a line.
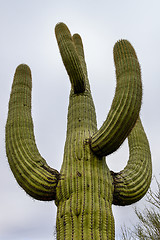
<point>85,188</point>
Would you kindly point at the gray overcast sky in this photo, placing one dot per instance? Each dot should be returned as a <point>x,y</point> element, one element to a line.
<point>27,36</point>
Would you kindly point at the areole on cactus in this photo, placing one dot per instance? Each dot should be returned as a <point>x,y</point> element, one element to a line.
<point>85,188</point>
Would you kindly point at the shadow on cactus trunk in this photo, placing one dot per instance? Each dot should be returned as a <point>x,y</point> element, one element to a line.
<point>85,188</point>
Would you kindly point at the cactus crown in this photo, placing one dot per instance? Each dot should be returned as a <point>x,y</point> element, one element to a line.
<point>85,188</point>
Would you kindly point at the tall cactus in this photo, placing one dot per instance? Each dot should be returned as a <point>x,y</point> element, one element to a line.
<point>85,188</point>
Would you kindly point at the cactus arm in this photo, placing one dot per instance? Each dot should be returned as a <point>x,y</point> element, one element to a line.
<point>79,45</point>
<point>29,168</point>
<point>70,58</point>
<point>126,103</point>
<point>79,48</point>
<point>131,184</point>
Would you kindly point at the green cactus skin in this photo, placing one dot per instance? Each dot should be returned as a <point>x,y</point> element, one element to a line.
<point>30,169</point>
<point>126,103</point>
<point>131,183</point>
<point>71,59</point>
<point>85,188</point>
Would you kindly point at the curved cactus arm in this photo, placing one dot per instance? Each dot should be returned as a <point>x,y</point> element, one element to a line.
<point>126,103</point>
<point>131,184</point>
<point>70,57</point>
<point>29,168</point>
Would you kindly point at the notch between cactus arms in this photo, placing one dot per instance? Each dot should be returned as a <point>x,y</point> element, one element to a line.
<point>126,103</point>
<point>71,50</point>
<point>29,168</point>
<point>131,184</point>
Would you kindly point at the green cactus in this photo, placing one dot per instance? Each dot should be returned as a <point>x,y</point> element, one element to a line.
<point>85,188</point>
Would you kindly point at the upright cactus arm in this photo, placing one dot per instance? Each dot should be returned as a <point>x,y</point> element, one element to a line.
<point>70,48</point>
<point>79,48</point>
<point>126,103</point>
<point>29,168</point>
<point>131,184</point>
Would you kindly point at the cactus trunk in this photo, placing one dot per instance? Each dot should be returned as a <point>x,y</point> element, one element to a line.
<point>84,194</point>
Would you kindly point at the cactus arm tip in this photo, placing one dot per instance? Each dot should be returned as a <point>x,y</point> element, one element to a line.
<point>29,168</point>
<point>126,103</point>
<point>131,184</point>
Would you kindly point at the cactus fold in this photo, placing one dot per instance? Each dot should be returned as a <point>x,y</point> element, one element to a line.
<point>85,188</point>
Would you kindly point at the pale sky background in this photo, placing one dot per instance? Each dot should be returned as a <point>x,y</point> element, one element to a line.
<point>27,36</point>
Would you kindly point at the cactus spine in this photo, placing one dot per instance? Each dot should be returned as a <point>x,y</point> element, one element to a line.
<point>85,188</point>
